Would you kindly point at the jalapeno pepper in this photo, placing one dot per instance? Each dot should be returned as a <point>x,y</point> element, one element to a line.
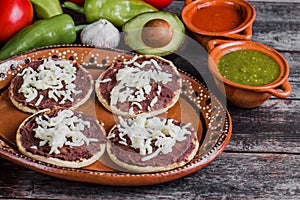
<point>56,30</point>
<point>46,9</point>
<point>116,11</point>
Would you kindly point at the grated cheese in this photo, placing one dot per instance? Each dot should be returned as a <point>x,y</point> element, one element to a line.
<point>56,76</point>
<point>134,82</point>
<point>144,132</point>
<point>64,129</point>
<point>105,80</point>
<point>39,100</point>
<point>132,60</point>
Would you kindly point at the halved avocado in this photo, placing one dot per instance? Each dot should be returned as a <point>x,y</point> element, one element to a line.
<point>156,33</point>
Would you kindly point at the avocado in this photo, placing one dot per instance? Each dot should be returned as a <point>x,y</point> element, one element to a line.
<point>156,33</point>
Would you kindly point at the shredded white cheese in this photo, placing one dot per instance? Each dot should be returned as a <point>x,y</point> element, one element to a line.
<point>134,82</point>
<point>64,129</point>
<point>39,100</point>
<point>56,76</point>
<point>144,132</point>
<point>130,61</point>
<point>105,80</point>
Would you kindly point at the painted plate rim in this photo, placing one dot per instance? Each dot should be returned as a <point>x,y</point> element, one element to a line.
<point>10,152</point>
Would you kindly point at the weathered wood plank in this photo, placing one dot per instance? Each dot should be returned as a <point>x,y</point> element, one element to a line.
<point>268,128</point>
<point>276,11</point>
<point>282,36</point>
<point>234,176</point>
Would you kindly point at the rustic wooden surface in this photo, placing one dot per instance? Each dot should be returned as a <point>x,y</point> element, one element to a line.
<point>261,161</point>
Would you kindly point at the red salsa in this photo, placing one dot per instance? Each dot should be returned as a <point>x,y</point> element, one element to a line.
<point>217,18</point>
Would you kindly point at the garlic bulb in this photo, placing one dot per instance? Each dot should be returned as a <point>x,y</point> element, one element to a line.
<point>101,33</point>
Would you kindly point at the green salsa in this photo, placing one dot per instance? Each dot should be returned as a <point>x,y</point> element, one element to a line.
<point>248,67</point>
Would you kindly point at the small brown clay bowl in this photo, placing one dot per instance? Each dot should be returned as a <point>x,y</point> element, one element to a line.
<point>242,29</point>
<point>242,95</point>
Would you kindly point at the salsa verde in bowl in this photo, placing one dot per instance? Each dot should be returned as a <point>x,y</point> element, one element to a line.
<point>250,72</point>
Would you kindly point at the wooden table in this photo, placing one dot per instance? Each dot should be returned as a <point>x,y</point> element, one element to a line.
<point>262,159</point>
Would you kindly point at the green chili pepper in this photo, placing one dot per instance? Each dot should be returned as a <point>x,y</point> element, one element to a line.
<point>56,30</point>
<point>116,11</point>
<point>73,6</point>
<point>46,8</point>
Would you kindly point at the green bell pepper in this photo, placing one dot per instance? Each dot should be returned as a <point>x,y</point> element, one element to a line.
<point>116,11</point>
<point>56,30</point>
<point>46,8</point>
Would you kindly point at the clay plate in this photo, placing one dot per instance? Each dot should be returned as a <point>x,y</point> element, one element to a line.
<point>196,105</point>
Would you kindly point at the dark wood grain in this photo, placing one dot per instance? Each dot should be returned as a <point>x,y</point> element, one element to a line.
<point>232,175</point>
<point>269,128</point>
<point>261,161</point>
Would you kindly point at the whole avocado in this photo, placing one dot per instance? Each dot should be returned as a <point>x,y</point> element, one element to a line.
<point>156,33</point>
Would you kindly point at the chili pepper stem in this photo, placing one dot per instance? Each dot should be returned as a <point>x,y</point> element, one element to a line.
<point>73,6</point>
<point>79,28</point>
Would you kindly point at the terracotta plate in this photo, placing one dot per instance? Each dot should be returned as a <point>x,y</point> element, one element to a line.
<point>196,105</point>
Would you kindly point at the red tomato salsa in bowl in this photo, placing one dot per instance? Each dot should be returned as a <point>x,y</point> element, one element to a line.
<point>217,18</point>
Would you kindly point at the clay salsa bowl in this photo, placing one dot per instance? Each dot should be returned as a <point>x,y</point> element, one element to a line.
<point>246,96</point>
<point>220,19</point>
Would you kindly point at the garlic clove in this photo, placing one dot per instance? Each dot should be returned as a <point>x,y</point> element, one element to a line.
<point>101,33</point>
